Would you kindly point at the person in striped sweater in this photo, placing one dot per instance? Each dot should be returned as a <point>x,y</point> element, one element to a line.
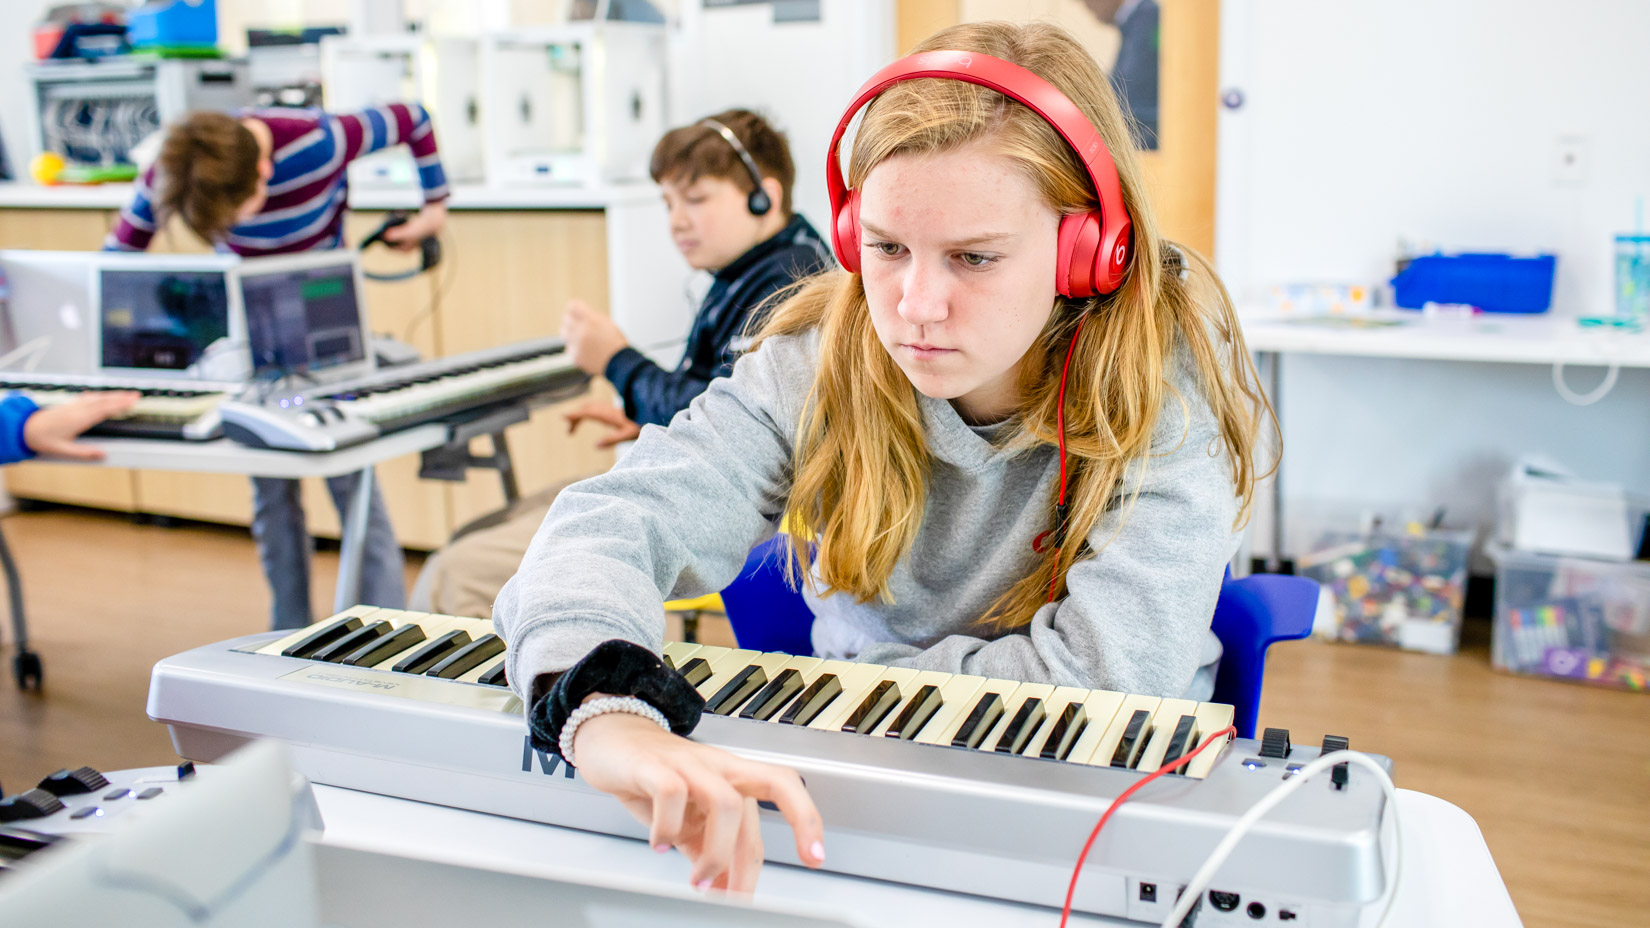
<point>272,182</point>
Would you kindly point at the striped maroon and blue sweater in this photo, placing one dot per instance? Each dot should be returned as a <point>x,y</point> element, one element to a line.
<point>308,190</point>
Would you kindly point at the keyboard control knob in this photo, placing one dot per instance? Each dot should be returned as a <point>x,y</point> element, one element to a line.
<point>74,782</point>
<point>36,803</point>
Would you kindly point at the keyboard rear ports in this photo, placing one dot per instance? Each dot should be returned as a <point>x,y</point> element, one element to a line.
<point>1256,911</point>
<point>1225,902</point>
<point>1284,915</point>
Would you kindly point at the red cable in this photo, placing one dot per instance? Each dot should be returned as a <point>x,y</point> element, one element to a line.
<point>1071,890</point>
<point>1060,437</point>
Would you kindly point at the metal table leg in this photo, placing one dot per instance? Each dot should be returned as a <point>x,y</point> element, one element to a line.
<point>353,547</point>
<point>26,665</point>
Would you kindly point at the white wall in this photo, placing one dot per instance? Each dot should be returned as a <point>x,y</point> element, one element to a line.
<point>1437,121</point>
<point>800,75</point>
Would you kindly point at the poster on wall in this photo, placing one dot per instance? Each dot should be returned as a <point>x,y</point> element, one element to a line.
<point>1122,35</point>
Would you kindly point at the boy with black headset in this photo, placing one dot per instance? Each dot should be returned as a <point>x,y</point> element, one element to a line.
<point>726,182</point>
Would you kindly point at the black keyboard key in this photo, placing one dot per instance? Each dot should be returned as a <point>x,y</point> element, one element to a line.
<point>1339,773</point>
<point>433,653</point>
<point>695,671</point>
<point>876,706</point>
<point>916,713</point>
<point>386,647</point>
<point>773,697</point>
<point>347,645</point>
<point>1183,739</point>
<point>1020,728</point>
<point>1133,740</point>
<point>813,700</point>
<point>494,677</point>
<point>1067,729</point>
<point>734,693</point>
<point>322,637</point>
<point>981,719</point>
<point>468,658</point>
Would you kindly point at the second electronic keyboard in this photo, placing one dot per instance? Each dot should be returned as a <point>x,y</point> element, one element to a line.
<point>956,782</point>
<point>339,414</point>
<point>167,408</point>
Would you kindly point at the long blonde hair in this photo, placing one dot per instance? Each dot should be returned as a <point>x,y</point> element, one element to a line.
<point>861,462</point>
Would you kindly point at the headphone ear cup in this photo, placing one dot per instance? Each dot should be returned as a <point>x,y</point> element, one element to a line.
<point>759,203</point>
<point>845,233</point>
<point>1074,262</point>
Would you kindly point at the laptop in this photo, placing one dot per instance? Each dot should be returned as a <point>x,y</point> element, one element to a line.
<point>303,316</point>
<point>171,316</point>
<point>48,319</point>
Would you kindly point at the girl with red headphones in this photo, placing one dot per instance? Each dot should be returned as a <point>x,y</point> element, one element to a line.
<point>1013,438</point>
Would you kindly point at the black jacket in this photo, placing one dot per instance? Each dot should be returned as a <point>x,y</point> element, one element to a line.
<point>654,395</point>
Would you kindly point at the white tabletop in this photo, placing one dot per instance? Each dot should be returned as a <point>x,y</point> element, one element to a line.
<point>1448,876</point>
<point>25,195</point>
<point>223,456</point>
<point>1538,339</point>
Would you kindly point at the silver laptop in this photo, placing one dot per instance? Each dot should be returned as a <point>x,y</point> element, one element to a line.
<point>48,321</point>
<point>304,317</point>
<point>170,316</point>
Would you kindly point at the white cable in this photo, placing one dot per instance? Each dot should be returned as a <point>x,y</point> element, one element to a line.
<point>1584,399</point>
<point>1200,881</point>
<point>33,350</point>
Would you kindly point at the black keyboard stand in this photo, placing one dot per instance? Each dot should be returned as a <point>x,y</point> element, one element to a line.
<point>454,460</point>
<point>26,666</point>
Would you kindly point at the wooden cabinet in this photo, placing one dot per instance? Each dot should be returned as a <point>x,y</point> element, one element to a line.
<point>512,274</point>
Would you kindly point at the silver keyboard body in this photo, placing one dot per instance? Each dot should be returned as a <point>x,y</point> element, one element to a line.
<point>1003,826</point>
<point>341,413</point>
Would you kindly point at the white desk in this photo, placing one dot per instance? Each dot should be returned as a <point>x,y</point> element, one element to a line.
<point>1543,339</point>
<point>223,456</point>
<point>1449,878</point>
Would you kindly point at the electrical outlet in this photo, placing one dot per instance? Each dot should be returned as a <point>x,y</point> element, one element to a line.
<point>1570,160</point>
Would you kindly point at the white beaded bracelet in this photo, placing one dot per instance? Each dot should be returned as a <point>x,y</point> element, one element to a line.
<point>603,706</point>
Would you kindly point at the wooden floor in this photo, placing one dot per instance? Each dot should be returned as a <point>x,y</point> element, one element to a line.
<point>1558,776</point>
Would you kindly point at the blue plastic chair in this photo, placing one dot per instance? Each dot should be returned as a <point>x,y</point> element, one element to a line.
<point>1251,615</point>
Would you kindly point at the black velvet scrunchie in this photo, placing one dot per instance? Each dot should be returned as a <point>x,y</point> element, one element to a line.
<point>618,668</point>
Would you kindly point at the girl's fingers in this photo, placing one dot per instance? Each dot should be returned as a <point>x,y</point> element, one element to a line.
<point>747,853</point>
<point>669,795</point>
<point>723,808</point>
<point>782,787</point>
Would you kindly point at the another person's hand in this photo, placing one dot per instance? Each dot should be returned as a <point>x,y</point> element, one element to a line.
<point>52,432</point>
<point>592,338</point>
<point>620,428</point>
<point>429,221</point>
<point>696,798</point>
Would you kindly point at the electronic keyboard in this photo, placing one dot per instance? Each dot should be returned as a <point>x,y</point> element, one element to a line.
<point>338,414</point>
<point>956,782</point>
<point>175,409</point>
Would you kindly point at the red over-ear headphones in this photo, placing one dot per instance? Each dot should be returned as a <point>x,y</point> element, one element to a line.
<point>1094,246</point>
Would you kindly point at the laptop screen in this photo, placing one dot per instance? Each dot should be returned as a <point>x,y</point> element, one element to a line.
<point>303,318</point>
<point>160,319</point>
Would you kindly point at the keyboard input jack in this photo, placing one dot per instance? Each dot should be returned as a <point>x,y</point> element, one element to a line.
<point>1225,902</point>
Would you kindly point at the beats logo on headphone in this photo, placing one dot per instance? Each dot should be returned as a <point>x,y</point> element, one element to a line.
<point>1094,247</point>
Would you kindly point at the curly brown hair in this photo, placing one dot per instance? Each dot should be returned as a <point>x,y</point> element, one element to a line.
<point>208,168</point>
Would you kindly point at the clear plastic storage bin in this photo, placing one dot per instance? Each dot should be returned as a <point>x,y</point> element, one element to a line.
<point>1571,618</point>
<point>1395,583</point>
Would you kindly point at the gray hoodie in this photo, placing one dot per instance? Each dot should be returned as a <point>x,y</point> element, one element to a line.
<point>677,517</point>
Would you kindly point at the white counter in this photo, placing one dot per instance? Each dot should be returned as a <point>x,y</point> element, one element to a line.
<point>24,195</point>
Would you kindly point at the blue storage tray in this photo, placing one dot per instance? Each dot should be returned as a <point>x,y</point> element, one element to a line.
<point>1493,283</point>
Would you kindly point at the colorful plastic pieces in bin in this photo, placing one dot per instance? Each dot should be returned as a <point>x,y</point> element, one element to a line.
<point>1397,590</point>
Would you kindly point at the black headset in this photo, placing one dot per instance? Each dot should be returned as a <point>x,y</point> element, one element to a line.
<point>429,249</point>
<point>758,202</point>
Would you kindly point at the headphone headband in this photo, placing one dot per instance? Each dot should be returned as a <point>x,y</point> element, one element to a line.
<point>1111,250</point>
<point>758,201</point>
